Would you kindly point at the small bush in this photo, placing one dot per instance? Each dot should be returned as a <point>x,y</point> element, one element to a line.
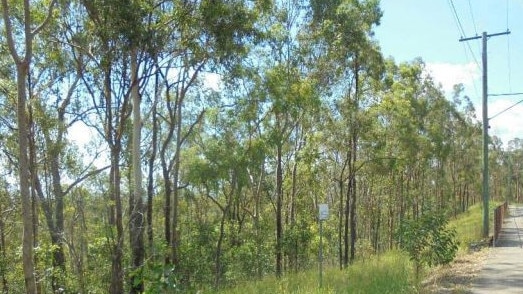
<point>428,240</point>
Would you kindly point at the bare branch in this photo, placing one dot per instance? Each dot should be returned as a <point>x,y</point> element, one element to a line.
<point>197,121</point>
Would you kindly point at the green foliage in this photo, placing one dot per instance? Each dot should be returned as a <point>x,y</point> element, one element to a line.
<point>381,274</point>
<point>291,89</point>
<point>428,240</point>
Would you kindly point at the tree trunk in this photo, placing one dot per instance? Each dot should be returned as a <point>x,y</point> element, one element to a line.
<point>113,138</point>
<point>136,224</point>
<point>218,254</point>
<point>352,165</point>
<point>166,173</point>
<point>24,174</point>
<point>176,173</point>
<point>279,204</point>
<point>116,286</point>
<point>150,177</point>
<point>24,178</point>
<point>346,222</point>
<point>340,223</point>
<point>3,267</point>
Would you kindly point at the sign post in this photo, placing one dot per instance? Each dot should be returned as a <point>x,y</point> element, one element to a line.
<point>323,215</point>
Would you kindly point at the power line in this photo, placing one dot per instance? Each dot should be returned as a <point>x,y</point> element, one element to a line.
<point>461,30</point>
<point>473,19</point>
<point>506,94</point>
<point>466,45</point>
<point>507,12</point>
<point>505,110</point>
<point>508,65</point>
<point>508,54</point>
<point>458,21</point>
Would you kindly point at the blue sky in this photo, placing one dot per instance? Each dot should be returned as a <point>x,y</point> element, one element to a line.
<point>428,29</point>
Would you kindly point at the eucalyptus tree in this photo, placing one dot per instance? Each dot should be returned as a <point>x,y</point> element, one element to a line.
<point>515,160</point>
<point>282,96</point>
<point>220,171</point>
<point>401,138</point>
<point>119,37</point>
<point>348,59</point>
<point>206,37</point>
<point>22,54</point>
<point>466,148</point>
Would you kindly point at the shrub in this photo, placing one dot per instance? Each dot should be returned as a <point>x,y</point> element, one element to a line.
<point>428,240</point>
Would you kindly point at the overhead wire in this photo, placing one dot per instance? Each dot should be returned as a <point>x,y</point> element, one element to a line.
<point>461,30</point>
<point>508,52</point>
<point>473,18</point>
<point>466,45</point>
<point>458,21</point>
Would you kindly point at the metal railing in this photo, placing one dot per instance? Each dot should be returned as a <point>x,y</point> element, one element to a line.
<point>499,215</point>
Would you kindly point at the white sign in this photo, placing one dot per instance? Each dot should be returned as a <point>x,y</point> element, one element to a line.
<point>324,211</point>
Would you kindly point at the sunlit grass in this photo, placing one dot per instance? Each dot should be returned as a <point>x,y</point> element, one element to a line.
<point>469,225</point>
<point>388,273</point>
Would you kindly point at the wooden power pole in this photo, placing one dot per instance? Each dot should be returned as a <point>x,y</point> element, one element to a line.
<point>484,37</point>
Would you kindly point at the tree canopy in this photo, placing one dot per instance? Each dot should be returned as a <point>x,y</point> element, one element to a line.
<point>213,130</point>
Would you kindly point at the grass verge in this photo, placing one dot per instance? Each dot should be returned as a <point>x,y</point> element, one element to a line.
<point>388,273</point>
<point>469,225</point>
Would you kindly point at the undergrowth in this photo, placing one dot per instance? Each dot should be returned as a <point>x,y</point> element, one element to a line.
<point>388,273</point>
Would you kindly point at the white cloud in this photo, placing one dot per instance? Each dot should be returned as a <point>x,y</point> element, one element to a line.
<point>450,74</point>
<point>505,123</point>
<point>506,120</point>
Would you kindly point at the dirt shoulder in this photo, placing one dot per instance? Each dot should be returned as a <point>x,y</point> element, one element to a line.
<point>456,277</point>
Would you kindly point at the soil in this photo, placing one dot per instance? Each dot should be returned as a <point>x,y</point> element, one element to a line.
<point>456,277</point>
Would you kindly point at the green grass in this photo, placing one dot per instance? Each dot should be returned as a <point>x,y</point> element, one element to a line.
<point>388,273</point>
<point>469,225</point>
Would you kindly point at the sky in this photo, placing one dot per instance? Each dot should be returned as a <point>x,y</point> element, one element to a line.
<point>429,29</point>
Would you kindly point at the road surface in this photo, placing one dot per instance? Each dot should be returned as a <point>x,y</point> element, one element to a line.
<point>503,269</point>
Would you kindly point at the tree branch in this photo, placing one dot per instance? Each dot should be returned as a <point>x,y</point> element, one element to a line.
<point>81,179</point>
<point>46,20</point>
<point>9,32</point>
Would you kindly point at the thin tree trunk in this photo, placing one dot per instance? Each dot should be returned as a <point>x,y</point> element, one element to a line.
<point>113,138</point>
<point>166,173</point>
<point>136,226</point>
<point>218,254</point>
<point>340,223</point>
<point>24,179</point>
<point>3,267</point>
<point>150,177</point>
<point>352,179</point>
<point>116,286</point>
<point>346,223</point>
<point>176,173</point>
<point>24,173</point>
<point>279,204</point>
<point>22,70</point>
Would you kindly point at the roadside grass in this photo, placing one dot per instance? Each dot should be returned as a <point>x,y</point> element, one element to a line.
<point>469,225</point>
<point>387,273</point>
<point>457,276</point>
<point>390,272</point>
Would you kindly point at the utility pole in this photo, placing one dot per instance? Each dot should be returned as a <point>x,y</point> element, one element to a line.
<point>484,39</point>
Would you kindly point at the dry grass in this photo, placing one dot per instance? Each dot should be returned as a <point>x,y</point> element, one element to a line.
<point>457,276</point>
